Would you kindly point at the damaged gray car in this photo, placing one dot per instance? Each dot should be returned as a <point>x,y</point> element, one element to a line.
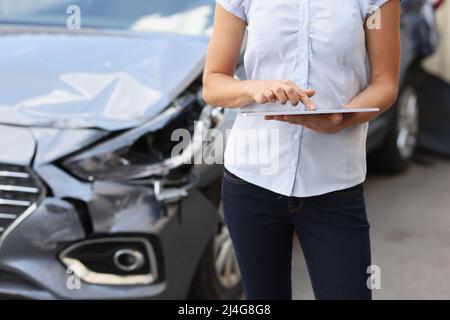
<point>92,203</point>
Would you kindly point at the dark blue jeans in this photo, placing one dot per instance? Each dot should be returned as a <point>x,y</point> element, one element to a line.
<point>332,229</point>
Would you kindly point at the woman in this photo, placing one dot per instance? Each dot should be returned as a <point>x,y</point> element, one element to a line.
<point>309,53</point>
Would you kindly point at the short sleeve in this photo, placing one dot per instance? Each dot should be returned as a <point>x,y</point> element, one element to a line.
<point>236,7</point>
<point>374,5</point>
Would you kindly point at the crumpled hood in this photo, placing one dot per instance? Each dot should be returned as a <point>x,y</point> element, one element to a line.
<point>112,82</point>
<point>24,146</point>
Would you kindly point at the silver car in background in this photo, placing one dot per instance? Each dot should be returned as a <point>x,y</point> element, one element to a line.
<point>92,203</point>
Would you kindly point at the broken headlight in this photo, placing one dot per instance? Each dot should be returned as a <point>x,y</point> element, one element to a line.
<point>145,151</point>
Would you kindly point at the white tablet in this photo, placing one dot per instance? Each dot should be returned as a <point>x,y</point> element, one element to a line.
<point>293,111</point>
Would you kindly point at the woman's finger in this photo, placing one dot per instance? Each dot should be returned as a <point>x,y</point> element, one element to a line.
<point>310,92</point>
<point>281,95</point>
<point>335,118</point>
<point>291,92</point>
<point>295,119</point>
<point>271,117</point>
<point>304,98</point>
<point>270,95</point>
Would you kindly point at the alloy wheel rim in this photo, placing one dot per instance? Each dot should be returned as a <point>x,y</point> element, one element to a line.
<point>225,262</point>
<point>408,123</point>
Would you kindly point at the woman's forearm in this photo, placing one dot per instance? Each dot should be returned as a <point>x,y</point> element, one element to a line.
<point>222,90</point>
<point>381,95</point>
<point>225,91</point>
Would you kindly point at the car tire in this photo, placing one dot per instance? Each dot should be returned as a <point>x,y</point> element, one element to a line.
<point>397,152</point>
<point>212,281</point>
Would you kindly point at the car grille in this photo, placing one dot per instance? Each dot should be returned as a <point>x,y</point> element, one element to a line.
<point>20,191</point>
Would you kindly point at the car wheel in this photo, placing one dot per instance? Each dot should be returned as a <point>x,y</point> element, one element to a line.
<point>396,154</point>
<point>218,276</point>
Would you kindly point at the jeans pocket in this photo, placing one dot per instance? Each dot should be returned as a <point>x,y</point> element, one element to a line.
<point>233,178</point>
<point>343,208</point>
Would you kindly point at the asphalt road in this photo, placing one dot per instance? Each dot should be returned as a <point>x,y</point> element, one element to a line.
<point>410,232</point>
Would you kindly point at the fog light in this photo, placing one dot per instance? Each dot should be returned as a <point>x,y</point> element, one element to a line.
<point>128,260</point>
<point>112,261</point>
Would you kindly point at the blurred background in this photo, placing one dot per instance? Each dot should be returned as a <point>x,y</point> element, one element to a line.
<point>94,204</point>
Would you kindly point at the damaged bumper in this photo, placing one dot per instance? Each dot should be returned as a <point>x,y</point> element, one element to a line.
<point>68,239</point>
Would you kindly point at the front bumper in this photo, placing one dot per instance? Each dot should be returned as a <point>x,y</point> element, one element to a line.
<point>74,211</point>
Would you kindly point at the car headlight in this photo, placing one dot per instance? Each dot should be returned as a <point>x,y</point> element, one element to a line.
<point>143,151</point>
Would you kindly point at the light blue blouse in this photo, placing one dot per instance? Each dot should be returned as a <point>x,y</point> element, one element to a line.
<point>318,44</point>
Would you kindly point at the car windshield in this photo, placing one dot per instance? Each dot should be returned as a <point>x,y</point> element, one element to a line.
<point>193,17</point>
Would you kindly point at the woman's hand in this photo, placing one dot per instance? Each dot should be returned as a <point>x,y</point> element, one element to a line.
<point>265,91</point>
<point>330,123</point>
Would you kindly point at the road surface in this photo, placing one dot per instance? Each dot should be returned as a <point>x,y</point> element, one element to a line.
<point>410,229</point>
